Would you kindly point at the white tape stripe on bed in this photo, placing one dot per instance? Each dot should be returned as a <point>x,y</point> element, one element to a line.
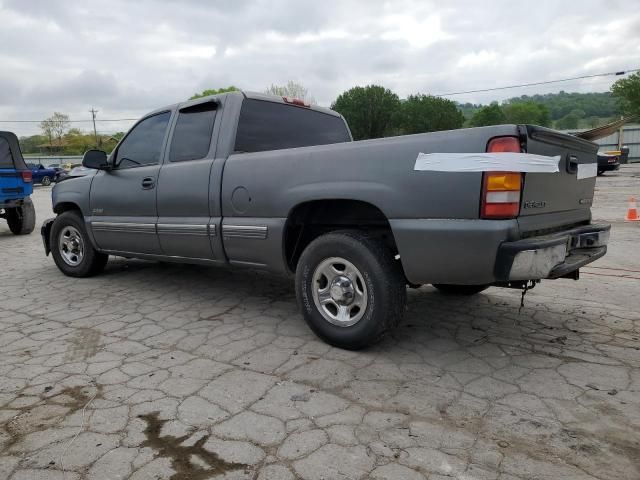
<point>487,162</point>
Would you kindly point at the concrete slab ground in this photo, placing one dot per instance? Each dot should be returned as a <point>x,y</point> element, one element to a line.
<point>158,371</point>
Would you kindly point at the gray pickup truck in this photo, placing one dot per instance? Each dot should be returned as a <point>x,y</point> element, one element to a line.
<point>252,180</point>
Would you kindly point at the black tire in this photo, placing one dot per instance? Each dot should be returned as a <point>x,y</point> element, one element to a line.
<point>46,181</point>
<point>465,290</point>
<point>22,219</point>
<point>600,172</point>
<point>92,262</point>
<point>382,275</point>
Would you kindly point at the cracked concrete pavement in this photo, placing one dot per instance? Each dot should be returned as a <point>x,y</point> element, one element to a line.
<point>160,371</point>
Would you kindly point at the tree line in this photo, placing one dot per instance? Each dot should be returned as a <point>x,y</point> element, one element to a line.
<point>374,111</point>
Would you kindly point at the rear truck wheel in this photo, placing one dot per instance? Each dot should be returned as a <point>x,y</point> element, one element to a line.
<point>22,219</point>
<point>71,248</point>
<point>350,288</point>
<point>45,181</point>
<point>466,290</point>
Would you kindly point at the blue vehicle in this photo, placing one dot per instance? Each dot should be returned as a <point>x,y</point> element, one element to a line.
<point>16,184</point>
<point>43,175</point>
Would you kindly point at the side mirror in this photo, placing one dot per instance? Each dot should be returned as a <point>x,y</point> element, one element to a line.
<point>96,159</point>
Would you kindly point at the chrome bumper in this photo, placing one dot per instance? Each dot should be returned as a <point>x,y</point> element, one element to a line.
<point>551,256</point>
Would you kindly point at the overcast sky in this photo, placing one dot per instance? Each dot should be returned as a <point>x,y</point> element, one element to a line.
<point>128,57</point>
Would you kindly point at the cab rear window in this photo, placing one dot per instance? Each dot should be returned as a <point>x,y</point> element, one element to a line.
<point>265,125</point>
<point>6,159</point>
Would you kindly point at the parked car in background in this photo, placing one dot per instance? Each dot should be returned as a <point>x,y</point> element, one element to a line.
<point>44,175</point>
<point>607,163</point>
<point>15,187</point>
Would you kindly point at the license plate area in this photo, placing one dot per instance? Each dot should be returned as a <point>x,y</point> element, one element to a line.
<point>590,239</point>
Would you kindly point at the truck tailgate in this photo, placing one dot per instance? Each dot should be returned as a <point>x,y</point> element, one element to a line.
<point>552,193</point>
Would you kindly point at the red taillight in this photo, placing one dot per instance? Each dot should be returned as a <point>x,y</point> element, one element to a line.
<point>296,101</point>
<point>500,195</point>
<point>501,190</point>
<point>27,176</point>
<point>504,144</point>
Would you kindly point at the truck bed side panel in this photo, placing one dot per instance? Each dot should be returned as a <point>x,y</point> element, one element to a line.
<point>268,185</point>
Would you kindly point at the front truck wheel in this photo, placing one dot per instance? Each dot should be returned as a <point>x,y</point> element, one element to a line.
<point>71,248</point>
<point>465,290</point>
<point>350,288</point>
<point>22,219</point>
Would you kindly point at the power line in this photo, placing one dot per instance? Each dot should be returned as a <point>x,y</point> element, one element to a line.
<point>506,87</point>
<point>623,72</point>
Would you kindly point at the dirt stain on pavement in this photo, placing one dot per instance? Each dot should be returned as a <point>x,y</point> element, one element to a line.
<point>181,456</point>
<point>84,344</point>
<point>47,412</point>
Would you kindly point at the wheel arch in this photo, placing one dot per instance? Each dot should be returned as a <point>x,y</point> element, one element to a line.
<point>309,219</point>
<point>62,207</point>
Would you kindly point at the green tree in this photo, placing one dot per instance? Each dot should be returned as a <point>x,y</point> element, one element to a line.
<point>489,115</point>
<point>369,110</point>
<point>627,93</point>
<point>31,144</point>
<point>54,128</point>
<point>568,122</point>
<point>598,104</point>
<point>206,93</point>
<point>592,122</point>
<point>425,113</point>
<point>527,112</point>
<point>292,90</point>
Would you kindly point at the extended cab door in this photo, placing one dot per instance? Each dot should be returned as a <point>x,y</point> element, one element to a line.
<point>187,219</point>
<point>123,199</point>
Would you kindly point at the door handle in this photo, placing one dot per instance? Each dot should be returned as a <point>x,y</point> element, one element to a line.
<point>148,183</point>
<point>572,164</point>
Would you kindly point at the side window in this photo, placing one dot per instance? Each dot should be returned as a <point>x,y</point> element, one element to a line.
<point>143,144</point>
<point>6,159</point>
<point>192,135</point>
<point>265,125</point>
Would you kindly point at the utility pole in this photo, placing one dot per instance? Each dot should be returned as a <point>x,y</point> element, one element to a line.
<point>93,117</point>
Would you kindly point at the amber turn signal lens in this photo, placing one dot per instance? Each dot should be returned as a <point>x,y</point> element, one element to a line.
<point>502,181</point>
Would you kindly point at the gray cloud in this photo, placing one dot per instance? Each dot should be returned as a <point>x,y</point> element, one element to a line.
<point>126,58</point>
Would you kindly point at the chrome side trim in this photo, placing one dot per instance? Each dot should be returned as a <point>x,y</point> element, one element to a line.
<point>182,229</point>
<point>257,232</point>
<point>160,228</point>
<point>123,227</point>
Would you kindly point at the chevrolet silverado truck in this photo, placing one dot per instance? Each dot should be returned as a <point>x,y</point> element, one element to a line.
<point>252,180</point>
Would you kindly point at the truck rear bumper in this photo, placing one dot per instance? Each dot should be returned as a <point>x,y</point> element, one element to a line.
<point>483,252</point>
<point>551,256</point>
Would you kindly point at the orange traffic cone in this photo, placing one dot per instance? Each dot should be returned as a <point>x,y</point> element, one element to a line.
<point>632,211</point>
